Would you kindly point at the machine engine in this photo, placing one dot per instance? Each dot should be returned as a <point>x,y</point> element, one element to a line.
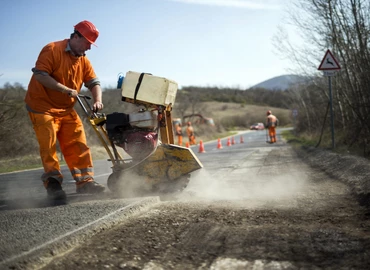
<point>136,133</point>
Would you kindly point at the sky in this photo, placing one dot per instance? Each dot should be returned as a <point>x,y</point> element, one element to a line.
<point>223,43</point>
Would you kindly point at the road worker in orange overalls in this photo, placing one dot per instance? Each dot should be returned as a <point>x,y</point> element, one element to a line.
<point>271,124</point>
<point>190,132</point>
<point>178,129</point>
<point>59,73</point>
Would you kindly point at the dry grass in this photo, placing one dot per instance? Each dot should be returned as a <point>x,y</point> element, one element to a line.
<point>20,163</point>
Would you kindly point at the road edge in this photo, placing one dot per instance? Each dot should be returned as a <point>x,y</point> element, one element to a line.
<point>40,256</point>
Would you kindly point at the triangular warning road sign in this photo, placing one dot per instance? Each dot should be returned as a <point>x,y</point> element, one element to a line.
<point>329,62</point>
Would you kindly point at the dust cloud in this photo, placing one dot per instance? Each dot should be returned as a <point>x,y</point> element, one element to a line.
<point>130,185</point>
<point>259,188</point>
<point>19,193</point>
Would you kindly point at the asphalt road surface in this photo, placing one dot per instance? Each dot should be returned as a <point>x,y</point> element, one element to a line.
<point>254,205</point>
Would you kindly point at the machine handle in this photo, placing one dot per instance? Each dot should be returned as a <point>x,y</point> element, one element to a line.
<point>86,98</point>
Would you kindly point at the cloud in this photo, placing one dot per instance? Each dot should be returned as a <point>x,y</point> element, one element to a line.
<point>248,4</point>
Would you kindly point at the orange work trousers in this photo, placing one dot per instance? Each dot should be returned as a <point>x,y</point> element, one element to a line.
<point>192,140</point>
<point>179,140</point>
<point>272,134</point>
<point>69,132</point>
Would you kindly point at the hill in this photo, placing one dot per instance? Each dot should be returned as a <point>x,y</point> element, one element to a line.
<point>282,82</point>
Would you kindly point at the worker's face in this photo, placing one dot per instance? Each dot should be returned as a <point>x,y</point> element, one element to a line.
<point>80,45</point>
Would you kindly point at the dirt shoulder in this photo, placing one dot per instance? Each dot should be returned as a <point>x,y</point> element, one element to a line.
<point>351,170</point>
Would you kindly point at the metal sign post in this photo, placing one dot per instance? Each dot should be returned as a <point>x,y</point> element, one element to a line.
<point>331,114</point>
<point>329,65</point>
<point>295,114</point>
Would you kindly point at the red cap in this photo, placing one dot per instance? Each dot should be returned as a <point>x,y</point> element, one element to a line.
<point>88,31</point>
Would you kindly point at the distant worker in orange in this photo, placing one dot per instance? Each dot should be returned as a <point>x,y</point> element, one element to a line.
<point>190,132</point>
<point>271,124</point>
<point>179,133</point>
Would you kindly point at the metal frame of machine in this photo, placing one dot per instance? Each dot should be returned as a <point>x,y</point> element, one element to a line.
<point>165,168</point>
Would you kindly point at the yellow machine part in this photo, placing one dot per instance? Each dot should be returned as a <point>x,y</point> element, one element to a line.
<point>169,162</point>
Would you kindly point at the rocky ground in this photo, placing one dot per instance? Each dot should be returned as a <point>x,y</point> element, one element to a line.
<point>323,224</point>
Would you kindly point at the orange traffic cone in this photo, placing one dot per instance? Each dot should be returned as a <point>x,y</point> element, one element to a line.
<point>187,145</point>
<point>219,145</point>
<point>241,139</point>
<point>201,147</point>
<point>228,142</point>
<point>233,140</point>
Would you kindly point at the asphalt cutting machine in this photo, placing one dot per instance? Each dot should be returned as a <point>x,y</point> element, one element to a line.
<point>155,163</point>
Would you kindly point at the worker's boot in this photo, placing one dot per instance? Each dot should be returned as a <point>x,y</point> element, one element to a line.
<point>54,189</point>
<point>89,187</point>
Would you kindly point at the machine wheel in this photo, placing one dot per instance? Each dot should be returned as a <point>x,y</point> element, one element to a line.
<point>116,184</point>
<point>173,186</point>
<point>113,181</point>
<point>121,184</point>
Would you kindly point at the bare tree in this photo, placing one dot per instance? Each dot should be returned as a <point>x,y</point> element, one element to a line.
<point>344,27</point>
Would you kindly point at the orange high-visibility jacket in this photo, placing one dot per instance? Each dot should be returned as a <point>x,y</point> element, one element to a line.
<point>271,121</point>
<point>190,131</point>
<point>178,130</point>
<point>54,60</point>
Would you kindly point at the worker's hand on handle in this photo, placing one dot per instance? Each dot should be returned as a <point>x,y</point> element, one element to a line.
<point>71,92</point>
<point>97,106</point>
